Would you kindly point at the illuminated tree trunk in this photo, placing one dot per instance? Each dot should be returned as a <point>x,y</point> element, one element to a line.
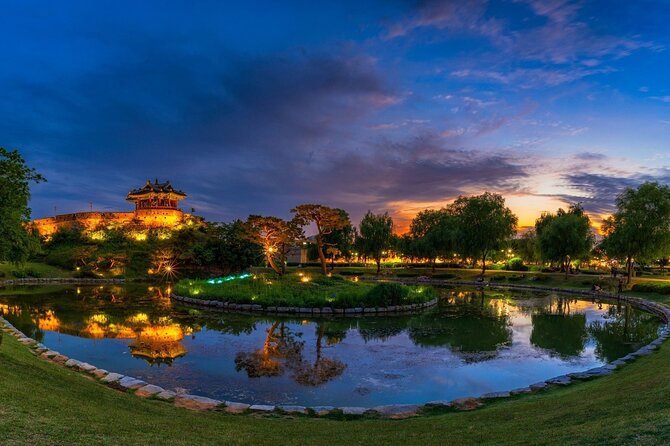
<point>322,256</point>
<point>271,262</point>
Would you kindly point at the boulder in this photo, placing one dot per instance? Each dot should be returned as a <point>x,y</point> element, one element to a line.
<point>149,390</point>
<point>195,402</point>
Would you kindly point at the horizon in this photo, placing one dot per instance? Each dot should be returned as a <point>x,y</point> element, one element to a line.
<point>384,106</point>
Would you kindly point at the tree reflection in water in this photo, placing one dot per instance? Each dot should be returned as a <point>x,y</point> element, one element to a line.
<point>471,324</point>
<point>625,331</point>
<point>282,351</point>
<point>558,330</point>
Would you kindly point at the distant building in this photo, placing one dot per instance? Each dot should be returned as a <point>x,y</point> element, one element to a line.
<point>156,206</point>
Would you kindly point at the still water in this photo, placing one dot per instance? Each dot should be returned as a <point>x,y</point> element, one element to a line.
<point>474,342</point>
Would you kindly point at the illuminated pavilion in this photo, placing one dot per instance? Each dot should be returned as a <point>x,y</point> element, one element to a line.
<point>156,206</point>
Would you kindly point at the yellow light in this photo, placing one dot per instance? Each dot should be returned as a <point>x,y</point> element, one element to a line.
<point>78,290</point>
<point>300,274</point>
<point>305,279</point>
<point>78,269</point>
<point>168,268</point>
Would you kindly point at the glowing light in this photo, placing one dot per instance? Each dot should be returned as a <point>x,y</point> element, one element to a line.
<point>78,268</point>
<point>139,318</point>
<point>219,280</point>
<point>140,237</point>
<point>99,318</point>
<point>305,279</point>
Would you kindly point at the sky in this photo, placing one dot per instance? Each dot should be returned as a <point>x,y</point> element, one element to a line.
<point>254,107</point>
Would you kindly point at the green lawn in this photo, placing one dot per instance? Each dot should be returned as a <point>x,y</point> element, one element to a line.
<point>45,404</point>
<point>31,269</point>
<point>298,289</point>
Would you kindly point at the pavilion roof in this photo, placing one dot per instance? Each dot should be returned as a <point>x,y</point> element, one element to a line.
<point>155,188</point>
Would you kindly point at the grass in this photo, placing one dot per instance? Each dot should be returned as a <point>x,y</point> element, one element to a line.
<point>31,269</point>
<point>45,404</point>
<point>305,290</point>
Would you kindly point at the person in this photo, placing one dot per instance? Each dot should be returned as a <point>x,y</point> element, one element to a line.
<point>620,287</point>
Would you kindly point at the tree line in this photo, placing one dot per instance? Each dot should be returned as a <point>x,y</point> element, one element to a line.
<point>470,229</point>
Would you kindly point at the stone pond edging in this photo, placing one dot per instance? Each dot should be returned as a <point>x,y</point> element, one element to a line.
<point>316,311</point>
<point>195,402</point>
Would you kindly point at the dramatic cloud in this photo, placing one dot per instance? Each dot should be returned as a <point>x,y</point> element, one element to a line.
<point>396,107</point>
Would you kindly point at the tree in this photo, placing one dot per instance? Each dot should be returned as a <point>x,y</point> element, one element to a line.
<point>276,236</point>
<point>340,242</point>
<point>16,243</point>
<point>564,236</point>
<point>433,233</point>
<point>376,236</point>
<point>640,228</point>
<point>527,247</point>
<point>326,220</point>
<point>483,224</point>
<point>232,251</point>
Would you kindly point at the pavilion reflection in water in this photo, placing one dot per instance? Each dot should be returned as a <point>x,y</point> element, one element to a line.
<point>157,341</point>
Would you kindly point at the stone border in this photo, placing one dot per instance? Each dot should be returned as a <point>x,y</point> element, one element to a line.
<point>324,311</point>
<point>58,280</point>
<point>195,402</point>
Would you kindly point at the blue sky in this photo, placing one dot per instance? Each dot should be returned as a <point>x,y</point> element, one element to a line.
<point>253,107</point>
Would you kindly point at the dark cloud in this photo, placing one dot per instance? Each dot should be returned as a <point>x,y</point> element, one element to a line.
<point>598,192</point>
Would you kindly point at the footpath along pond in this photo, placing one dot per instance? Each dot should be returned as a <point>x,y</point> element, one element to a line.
<point>473,342</point>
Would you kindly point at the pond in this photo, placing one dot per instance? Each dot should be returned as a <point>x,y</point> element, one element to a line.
<point>472,343</point>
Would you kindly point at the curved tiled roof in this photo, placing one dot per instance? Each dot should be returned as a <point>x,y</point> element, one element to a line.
<point>155,187</point>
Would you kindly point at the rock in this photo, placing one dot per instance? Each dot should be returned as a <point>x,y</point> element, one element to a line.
<point>166,395</point>
<point>322,410</point>
<point>233,407</point>
<point>128,382</point>
<point>438,403</point>
<point>60,359</point>
<point>72,363</point>
<point>599,371</point>
<point>562,380</point>
<point>520,391</point>
<point>467,403</point>
<point>195,402</point>
<point>99,373</point>
<point>580,375</point>
<point>293,409</point>
<point>262,408</point>
<point>85,366</point>
<point>538,386</point>
<point>149,390</point>
<point>353,410</point>
<point>398,410</point>
<point>494,395</point>
<point>49,354</point>
<point>112,377</point>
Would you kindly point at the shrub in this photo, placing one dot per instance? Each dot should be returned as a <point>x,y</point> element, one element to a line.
<point>2,274</point>
<point>516,278</point>
<point>19,274</point>
<point>384,294</point>
<point>516,264</point>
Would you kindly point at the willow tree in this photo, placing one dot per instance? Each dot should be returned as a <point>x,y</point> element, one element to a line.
<point>16,243</point>
<point>276,236</point>
<point>483,225</point>
<point>433,233</point>
<point>376,236</point>
<point>326,220</point>
<point>640,228</point>
<point>564,236</point>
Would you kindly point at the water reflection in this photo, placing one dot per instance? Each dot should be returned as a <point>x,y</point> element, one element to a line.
<point>473,342</point>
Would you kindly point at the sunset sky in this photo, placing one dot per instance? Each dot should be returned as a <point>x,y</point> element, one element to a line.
<point>253,107</point>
